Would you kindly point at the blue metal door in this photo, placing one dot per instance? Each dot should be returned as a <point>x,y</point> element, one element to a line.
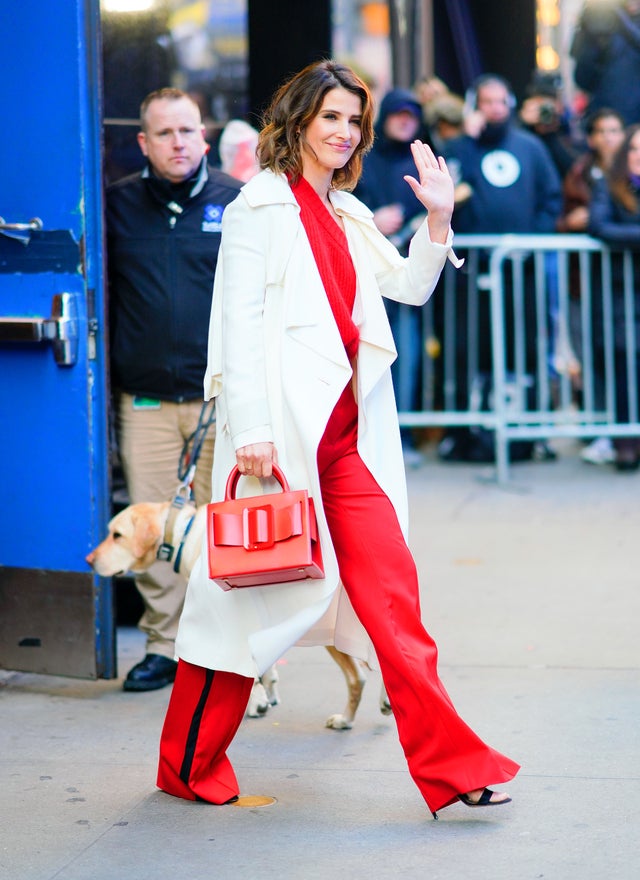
<point>55,615</point>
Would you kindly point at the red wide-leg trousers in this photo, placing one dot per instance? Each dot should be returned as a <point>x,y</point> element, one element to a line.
<point>445,757</point>
<point>204,713</point>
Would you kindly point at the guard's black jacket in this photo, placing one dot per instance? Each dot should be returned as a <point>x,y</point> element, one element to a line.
<point>162,247</point>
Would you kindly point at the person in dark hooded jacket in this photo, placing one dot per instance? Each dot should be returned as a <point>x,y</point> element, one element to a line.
<point>606,51</point>
<point>514,188</point>
<point>384,190</point>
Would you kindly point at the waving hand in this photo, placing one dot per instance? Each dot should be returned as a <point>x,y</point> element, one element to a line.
<point>433,188</point>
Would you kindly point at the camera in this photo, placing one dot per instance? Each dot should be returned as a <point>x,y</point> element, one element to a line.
<point>547,114</point>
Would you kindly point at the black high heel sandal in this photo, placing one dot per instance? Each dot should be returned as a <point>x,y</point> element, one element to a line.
<point>484,800</point>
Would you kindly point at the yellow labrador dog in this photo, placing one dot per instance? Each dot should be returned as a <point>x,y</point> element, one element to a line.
<point>142,533</point>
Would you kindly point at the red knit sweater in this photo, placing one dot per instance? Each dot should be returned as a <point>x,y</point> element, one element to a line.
<point>331,252</point>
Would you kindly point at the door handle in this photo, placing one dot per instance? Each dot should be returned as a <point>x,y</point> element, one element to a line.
<point>61,329</point>
<point>34,225</point>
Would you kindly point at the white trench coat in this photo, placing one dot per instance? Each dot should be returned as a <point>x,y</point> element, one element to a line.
<point>277,367</point>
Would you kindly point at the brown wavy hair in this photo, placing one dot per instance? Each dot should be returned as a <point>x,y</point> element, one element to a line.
<point>619,183</point>
<point>296,103</point>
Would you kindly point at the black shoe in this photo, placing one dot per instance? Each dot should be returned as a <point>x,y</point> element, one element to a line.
<point>627,463</point>
<point>486,799</point>
<point>627,454</point>
<point>154,672</point>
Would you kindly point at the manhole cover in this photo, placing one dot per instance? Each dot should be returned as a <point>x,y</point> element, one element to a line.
<point>254,800</point>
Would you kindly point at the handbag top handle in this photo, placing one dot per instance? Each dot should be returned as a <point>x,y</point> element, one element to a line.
<point>234,477</point>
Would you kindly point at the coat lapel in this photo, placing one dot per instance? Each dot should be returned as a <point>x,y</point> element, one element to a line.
<point>307,313</point>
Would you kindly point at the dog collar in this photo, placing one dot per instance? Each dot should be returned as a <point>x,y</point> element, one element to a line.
<point>167,548</point>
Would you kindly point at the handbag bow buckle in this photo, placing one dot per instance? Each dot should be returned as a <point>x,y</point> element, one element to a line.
<point>258,527</point>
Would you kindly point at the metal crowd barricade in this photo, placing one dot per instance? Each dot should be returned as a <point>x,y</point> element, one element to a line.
<point>532,339</point>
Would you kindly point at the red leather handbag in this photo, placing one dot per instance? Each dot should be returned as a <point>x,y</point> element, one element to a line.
<point>264,539</point>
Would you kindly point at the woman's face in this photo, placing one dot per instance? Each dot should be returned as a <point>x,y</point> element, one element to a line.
<point>633,158</point>
<point>329,140</point>
<point>606,138</point>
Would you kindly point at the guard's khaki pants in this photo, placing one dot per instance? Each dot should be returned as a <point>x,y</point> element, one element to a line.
<point>150,440</point>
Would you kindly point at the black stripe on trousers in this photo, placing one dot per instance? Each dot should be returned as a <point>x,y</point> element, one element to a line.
<point>194,727</point>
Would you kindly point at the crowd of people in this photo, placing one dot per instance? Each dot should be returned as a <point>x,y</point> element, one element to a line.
<point>541,166</point>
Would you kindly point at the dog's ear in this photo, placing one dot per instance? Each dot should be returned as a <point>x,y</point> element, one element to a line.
<point>147,531</point>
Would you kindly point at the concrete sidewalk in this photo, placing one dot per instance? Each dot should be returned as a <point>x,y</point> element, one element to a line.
<point>532,594</point>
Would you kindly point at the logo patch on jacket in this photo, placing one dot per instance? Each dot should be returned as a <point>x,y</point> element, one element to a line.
<point>212,218</point>
<point>501,168</point>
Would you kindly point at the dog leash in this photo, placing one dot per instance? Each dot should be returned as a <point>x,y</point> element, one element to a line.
<point>186,470</point>
<point>193,444</point>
